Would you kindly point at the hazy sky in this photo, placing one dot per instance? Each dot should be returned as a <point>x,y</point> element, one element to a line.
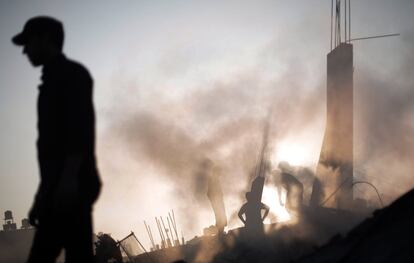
<point>177,63</point>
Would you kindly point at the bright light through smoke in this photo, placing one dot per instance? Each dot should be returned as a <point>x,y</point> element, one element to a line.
<point>299,151</point>
<point>277,212</point>
<point>293,153</point>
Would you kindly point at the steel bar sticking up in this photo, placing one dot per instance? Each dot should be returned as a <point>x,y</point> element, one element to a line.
<point>337,31</point>
<point>182,238</point>
<point>364,38</point>
<point>161,233</point>
<point>146,228</point>
<point>165,229</point>
<point>152,237</point>
<point>172,233</point>
<point>373,186</point>
<point>331,21</point>
<point>345,22</point>
<point>338,23</point>
<point>149,234</point>
<point>336,38</point>
<point>173,224</point>
<point>349,23</point>
<point>166,232</point>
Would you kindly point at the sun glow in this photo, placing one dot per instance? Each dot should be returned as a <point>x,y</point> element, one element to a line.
<point>277,213</point>
<point>297,151</point>
<point>293,153</point>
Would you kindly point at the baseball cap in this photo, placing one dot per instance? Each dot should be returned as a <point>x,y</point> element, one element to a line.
<point>40,25</point>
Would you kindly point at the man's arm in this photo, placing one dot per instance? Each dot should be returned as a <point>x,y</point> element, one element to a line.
<point>279,194</point>
<point>241,213</point>
<point>66,194</point>
<point>266,208</point>
<point>34,212</point>
<point>77,134</point>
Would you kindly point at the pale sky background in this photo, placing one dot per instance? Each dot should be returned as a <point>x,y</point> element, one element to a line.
<point>151,56</point>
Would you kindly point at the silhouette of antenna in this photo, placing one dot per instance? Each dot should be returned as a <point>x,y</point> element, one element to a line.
<point>336,30</point>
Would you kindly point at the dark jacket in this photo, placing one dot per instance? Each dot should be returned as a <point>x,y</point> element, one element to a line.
<point>66,126</point>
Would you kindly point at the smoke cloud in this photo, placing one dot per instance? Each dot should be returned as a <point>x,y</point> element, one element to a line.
<point>159,138</point>
<point>152,152</point>
<point>384,123</point>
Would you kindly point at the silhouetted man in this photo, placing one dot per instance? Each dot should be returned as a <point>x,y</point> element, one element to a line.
<point>293,187</point>
<point>69,181</point>
<point>215,195</point>
<point>252,210</point>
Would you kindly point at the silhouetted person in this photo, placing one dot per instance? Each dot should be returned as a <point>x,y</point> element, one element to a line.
<point>252,211</point>
<point>293,187</point>
<point>215,195</point>
<point>107,249</point>
<point>69,181</point>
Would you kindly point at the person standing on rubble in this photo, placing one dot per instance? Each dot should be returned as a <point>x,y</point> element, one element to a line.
<point>69,180</point>
<point>252,211</point>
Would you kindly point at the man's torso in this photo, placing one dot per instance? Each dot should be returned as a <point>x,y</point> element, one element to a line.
<point>66,124</point>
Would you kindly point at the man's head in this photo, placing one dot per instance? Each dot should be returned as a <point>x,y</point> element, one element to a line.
<point>41,38</point>
<point>285,167</point>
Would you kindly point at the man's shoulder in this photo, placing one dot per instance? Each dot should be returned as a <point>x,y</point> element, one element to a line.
<point>75,69</point>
